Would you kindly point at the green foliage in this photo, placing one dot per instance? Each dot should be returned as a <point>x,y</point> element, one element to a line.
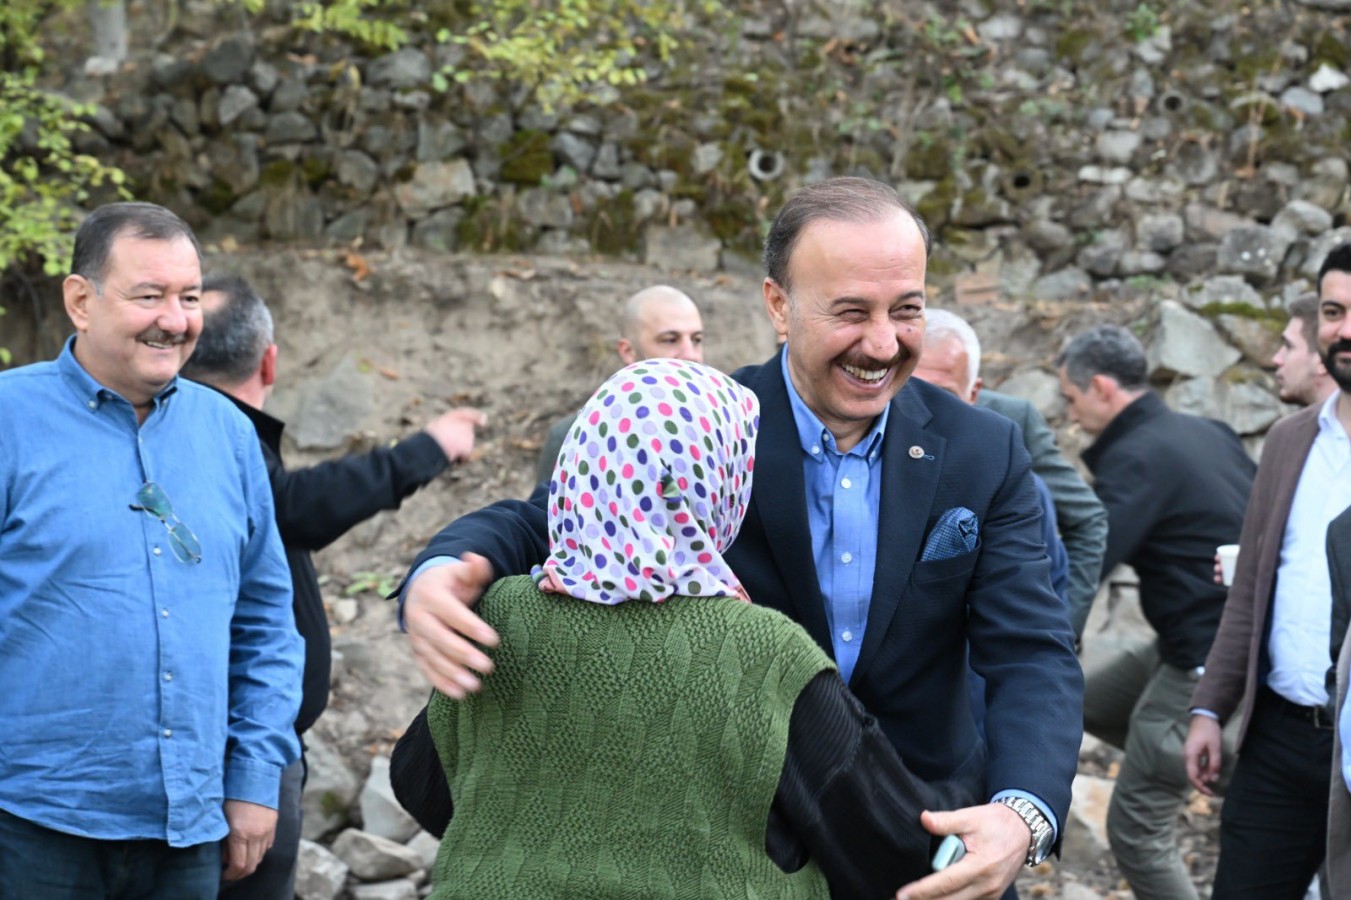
<point>564,51</point>
<point>43,179</point>
<point>941,33</point>
<point>354,19</point>
<point>379,583</point>
<point>1142,23</point>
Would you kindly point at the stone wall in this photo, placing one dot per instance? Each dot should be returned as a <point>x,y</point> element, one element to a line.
<point>1058,145</point>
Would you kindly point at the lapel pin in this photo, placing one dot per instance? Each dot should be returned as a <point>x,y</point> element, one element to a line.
<point>916,452</point>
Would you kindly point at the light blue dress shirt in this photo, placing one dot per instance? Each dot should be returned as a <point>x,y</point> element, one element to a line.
<point>844,497</point>
<point>844,502</point>
<point>140,691</point>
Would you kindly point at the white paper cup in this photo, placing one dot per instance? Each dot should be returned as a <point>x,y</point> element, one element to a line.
<point>1228,554</point>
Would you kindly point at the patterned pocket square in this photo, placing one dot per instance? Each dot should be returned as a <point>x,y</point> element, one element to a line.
<point>957,532</point>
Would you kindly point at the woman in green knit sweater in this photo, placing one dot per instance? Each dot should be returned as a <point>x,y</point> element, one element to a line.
<point>687,744</point>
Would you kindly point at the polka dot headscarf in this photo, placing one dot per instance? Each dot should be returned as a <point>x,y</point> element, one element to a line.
<point>651,486</point>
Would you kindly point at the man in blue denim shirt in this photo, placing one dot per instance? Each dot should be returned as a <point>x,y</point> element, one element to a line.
<point>147,646</point>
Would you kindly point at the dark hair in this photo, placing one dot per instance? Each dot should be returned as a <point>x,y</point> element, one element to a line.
<point>1337,260</point>
<point>102,227</point>
<point>1305,309</point>
<point>1105,350</point>
<point>857,200</point>
<point>234,336</point>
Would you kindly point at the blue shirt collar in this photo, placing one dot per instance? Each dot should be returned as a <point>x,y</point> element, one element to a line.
<point>90,393</point>
<point>815,437</point>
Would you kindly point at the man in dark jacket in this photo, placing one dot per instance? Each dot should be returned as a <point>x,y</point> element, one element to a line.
<point>1175,487</point>
<point>314,507</point>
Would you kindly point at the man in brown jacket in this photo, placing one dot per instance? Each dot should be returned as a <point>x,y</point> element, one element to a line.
<point>1271,653</point>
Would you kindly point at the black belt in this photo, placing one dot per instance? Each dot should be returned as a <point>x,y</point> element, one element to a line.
<point>1318,716</point>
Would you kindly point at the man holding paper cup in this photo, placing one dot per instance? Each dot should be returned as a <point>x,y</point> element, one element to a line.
<point>1174,486</point>
<point>1272,654</point>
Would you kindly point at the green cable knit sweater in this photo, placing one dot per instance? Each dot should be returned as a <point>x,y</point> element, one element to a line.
<point>630,751</point>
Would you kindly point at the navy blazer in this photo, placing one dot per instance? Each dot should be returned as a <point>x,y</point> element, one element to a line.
<point>911,673</point>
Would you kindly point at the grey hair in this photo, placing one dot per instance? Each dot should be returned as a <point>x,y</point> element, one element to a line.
<point>100,230</point>
<point>1105,350</point>
<point>941,323</point>
<point>857,200</point>
<point>234,336</point>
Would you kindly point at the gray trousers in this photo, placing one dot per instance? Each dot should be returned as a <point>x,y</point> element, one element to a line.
<point>1136,702</point>
<point>275,877</point>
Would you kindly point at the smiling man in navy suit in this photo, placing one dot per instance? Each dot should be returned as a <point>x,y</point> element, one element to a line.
<point>899,525</point>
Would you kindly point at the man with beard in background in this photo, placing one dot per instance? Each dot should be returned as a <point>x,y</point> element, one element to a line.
<point>1273,652</point>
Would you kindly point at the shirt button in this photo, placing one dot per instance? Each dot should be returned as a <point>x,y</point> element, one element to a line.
<point>93,404</point>
<point>164,613</point>
<point>156,551</point>
<point>168,732</point>
<point>846,483</point>
<point>168,676</point>
<point>847,636</point>
<point>846,558</point>
<point>815,449</point>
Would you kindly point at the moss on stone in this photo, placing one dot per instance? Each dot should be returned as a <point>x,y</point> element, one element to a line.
<point>928,157</point>
<point>1074,43</point>
<point>216,198</point>
<point>612,226</point>
<point>1330,48</point>
<point>1244,311</point>
<point>491,225</point>
<point>277,174</point>
<point>316,171</point>
<point>526,158</point>
<point>936,206</point>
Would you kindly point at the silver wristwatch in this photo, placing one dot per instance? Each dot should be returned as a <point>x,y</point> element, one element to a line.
<point>1043,835</point>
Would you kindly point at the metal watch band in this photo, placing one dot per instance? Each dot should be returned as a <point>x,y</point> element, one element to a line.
<point>1043,835</point>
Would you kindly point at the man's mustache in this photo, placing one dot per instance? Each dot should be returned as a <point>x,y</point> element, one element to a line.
<point>160,336</point>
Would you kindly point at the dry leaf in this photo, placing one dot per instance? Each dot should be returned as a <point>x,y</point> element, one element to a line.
<point>361,269</point>
<point>388,373</point>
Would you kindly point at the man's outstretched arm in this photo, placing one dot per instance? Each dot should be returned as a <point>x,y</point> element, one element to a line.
<point>437,597</point>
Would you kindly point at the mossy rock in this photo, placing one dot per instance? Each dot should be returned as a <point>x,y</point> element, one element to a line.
<point>936,206</point>
<point>665,149</point>
<point>1269,317</point>
<point>216,198</point>
<point>1249,64</point>
<point>491,225</point>
<point>1330,48</point>
<point>1075,45</point>
<point>733,219</point>
<point>998,143</point>
<point>928,158</point>
<point>526,158</point>
<point>315,170</point>
<point>944,264</point>
<point>612,227</point>
<point>277,174</point>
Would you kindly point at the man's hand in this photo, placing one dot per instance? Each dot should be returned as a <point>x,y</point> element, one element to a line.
<point>453,431</point>
<point>996,841</point>
<point>252,828</point>
<point>1219,570</point>
<point>1202,754</point>
<point>441,626</point>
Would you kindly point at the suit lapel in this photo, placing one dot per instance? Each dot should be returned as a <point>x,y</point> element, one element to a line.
<point>909,484</point>
<point>779,496</point>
